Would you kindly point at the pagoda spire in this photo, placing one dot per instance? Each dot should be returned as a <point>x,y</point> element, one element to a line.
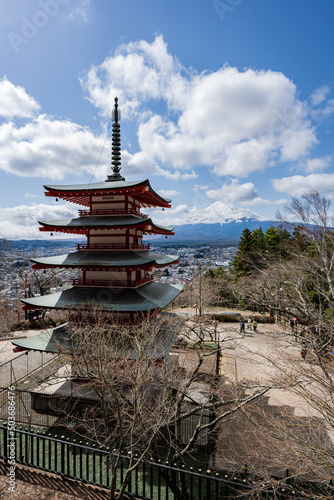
<point>116,145</point>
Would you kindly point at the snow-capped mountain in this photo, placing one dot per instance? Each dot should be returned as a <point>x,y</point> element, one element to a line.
<point>221,213</point>
<point>219,222</point>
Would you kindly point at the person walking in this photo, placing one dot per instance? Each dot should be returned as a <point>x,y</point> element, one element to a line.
<point>254,325</point>
<point>242,327</point>
<point>303,351</point>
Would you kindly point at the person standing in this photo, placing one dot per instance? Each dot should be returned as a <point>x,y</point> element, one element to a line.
<point>254,325</point>
<point>292,324</point>
<point>242,327</point>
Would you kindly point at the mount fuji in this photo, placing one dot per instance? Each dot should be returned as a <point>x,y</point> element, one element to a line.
<point>221,213</point>
<point>219,223</point>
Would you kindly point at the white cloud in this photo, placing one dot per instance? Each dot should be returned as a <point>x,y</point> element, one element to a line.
<point>329,108</point>
<point>138,71</point>
<point>316,164</point>
<point>297,185</point>
<point>320,95</point>
<point>256,202</point>
<point>15,102</point>
<point>168,193</point>
<point>296,144</point>
<point>200,187</point>
<point>234,192</point>
<point>234,122</point>
<point>21,222</point>
<point>240,194</point>
<point>172,217</point>
<point>229,121</point>
<point>321,107</point>
<point>49,148</point>
<point>243,158</point>
<point>176,175</point>
<point>80,12</point>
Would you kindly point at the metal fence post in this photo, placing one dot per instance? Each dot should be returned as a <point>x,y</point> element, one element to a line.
<point>208,485</point>
<point>5,443</point>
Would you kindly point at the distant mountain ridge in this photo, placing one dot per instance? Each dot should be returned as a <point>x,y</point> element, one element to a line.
<point>228,233</point>
<point>218,223</point>
<point>222,233</point>
<point>37,244</point>
<point>222,213</point>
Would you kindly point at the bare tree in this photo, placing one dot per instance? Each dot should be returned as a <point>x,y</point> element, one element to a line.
<point>301,442</point>
<point>316,263</point>
<point>38,282</point>
<point>145,398</point>
<point>300,284</point>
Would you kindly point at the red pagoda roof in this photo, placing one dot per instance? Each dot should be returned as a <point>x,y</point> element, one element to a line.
<point>81,193</point>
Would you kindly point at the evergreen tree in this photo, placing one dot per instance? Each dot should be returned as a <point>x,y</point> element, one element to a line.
<point>259,240</point>
<point>242,262</point>
<point>273,240</point>
<point>246,241</point>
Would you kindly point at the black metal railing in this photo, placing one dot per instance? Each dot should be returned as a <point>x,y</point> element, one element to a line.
<point>149,480</point>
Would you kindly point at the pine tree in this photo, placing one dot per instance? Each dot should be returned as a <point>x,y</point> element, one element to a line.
<point>259,240</point>
<point>242,262</point>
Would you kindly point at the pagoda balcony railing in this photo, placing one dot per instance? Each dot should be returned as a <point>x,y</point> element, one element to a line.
<point>113,283</point>
<point>114,211</point>
<point>112,246</point>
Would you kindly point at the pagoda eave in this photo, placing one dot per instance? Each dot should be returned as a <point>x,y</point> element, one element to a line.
<point>149,297</point>
<point>81,194</point>
<point>82,224</point>
<point>118,260</point>
<point>61,339</point>
<point>55,229</point>
<point>143,267</point>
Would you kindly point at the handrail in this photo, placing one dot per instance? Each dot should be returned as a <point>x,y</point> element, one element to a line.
<point>112,283</point>
<point>112,211</point>
<point>112,246</point>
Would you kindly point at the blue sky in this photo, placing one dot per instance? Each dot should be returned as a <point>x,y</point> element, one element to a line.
<point>227,106</point>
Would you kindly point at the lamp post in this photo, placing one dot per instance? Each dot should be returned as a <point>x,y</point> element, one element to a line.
<point>217,340</point>
<point>215,322</point>
<point>280,303</point>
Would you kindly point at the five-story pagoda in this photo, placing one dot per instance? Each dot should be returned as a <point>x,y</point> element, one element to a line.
<point>117,266</point>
